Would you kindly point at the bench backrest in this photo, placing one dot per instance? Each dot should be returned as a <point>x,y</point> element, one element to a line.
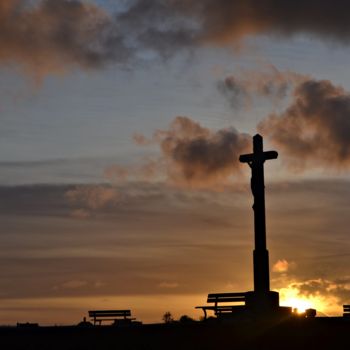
<point>226,297</point>
<point>110,313</point>
<point>346,308</point>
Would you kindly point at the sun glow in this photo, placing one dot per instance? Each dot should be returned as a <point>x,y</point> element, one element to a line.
<point>291,297</point>
<point>299,305</point>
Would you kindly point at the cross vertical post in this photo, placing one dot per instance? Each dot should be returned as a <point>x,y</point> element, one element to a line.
<point>260,255</point>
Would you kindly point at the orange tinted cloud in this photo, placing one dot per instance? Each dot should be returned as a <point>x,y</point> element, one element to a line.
<point>226,20</point>
<point>53,35</point>
<point>281,266</point>
<point>325,295</point>
<point>314,129</point>
<point>48,36</point>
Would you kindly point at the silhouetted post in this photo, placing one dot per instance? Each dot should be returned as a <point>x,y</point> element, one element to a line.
<point>261,255</point>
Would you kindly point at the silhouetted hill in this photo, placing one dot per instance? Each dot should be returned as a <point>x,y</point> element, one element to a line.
<point>319,333</point>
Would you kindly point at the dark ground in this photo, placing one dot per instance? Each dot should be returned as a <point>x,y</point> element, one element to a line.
<point>318,333</point>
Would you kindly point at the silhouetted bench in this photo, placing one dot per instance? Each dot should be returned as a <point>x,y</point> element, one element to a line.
<point>346,309</point>
<point>122,316</point>
<point>223,298</point>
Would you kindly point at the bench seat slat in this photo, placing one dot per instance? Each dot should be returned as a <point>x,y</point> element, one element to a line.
<point>106,315</point>
<point>113,319</point>
<point>215,295</point>
<point>110,312</point>
<point>225,300</point>
<point>226,297</point>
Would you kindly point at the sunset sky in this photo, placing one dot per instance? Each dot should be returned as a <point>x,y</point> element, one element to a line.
<point>121,127</point>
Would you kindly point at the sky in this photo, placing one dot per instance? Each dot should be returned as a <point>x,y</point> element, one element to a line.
<point>121,127</point>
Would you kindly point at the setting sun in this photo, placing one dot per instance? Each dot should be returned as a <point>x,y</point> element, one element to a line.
<point>299,305</point>
<point>291,296</point>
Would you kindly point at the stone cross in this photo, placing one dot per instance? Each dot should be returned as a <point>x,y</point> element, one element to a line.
<point>261,255</point>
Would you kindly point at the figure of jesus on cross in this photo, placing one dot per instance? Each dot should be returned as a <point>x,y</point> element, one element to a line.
<point>261,255</point>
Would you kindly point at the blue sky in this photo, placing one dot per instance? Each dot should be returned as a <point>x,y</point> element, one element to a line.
<point>93,115</point>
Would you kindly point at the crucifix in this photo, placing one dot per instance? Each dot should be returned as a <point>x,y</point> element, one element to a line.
<point>261,255</point>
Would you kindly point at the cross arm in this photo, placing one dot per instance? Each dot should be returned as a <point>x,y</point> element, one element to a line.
<point>246,158</point>
<point>249,158</point>
<point>270,155</point>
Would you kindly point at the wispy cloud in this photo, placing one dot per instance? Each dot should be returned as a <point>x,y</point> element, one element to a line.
<point>242,88</point>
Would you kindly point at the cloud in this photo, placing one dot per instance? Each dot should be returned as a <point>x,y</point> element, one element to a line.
<point>339,288</point>
<point>313,131</point>
<point>91,198</point>
<point>225,20</point>
<point>312,125</point>
<point>53,35</point>
<point>49,36</point>
<point>193,155</point>
<point>198,155</point>
<point>327,289</point>
<point>241,89</point>
<point>282,266</point>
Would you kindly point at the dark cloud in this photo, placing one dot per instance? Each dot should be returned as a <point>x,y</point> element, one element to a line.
<point>226,20</point>
<point>314,130</point>
<point>197,156</point>
<point>53,35</point>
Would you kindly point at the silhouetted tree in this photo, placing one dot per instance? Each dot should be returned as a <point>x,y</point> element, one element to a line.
<point>168,317</point>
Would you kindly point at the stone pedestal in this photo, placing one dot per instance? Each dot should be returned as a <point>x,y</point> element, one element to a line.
<point>262,302</point>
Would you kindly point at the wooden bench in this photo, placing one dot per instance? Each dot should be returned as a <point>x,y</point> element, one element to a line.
<point>223,298</point>
<point>346,310</point>
<point>111,315</point>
